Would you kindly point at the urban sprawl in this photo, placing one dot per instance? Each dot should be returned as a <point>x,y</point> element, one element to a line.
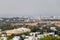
<point>30,28</point>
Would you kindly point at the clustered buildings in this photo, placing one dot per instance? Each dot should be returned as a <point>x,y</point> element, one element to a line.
<point>30,21</point>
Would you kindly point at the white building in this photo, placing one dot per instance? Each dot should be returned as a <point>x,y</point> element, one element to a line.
<point>3,38</point>
<point>53,28</point>
<point>31,38</point>
<point>40,36</point>
<point>16,38</point>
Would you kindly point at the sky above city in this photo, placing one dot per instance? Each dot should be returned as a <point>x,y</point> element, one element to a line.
<point>12,8</point>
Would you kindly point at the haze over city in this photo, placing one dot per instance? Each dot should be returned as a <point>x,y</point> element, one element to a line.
<point>12,8</point>
<point>29,19</point>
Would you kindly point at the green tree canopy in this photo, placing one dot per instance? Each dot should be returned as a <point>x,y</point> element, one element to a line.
<point>50,38</point>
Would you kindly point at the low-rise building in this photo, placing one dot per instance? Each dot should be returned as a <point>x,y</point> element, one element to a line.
<point>17,31</point>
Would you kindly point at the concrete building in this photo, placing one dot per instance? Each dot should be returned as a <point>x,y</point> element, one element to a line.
<point>17,31</point>
<point>31,38</point>
<point>16,38</point>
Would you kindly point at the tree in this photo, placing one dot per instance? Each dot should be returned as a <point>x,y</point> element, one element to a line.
<point>50,38</point>
<point>34,28</point>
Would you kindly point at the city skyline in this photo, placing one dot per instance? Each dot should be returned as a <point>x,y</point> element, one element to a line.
<point>15,8</point>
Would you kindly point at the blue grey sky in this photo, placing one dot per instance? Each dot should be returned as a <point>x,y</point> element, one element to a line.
<point>11,8</point>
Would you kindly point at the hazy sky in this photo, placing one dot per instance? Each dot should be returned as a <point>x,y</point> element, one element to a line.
<point>10,8</point>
